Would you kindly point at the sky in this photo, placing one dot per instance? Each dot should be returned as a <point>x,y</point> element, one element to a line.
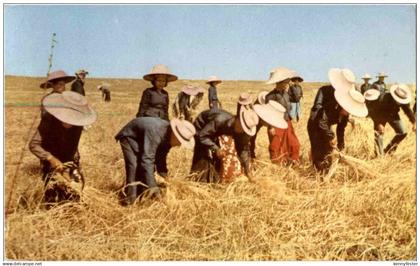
<point>234,42</point>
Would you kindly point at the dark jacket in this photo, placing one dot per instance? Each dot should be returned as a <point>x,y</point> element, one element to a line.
<point>213,100</point>
<point>365,87</point>
<point>51,138</point>
<point>211,124</point>
<point>282,97</point>
<point>295,93</point>
<point>78,86</point>
<point>380,86</point>
<point>149,139</point>
<point>386,109</point>
<point>154,103</point>
<point>325,113</point>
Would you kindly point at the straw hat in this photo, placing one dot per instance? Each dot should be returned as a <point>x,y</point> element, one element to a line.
<point>296,76</point>
<point>69,107</point>
<point>366,76</point>
<point>81,71</point>
<point>280,74</point>
<point>160,70</point>
<point>371,94</point>
<point>401,93</point>
<point>54,76</point>
<point>272,113</point>
<point>261,97</point>
<point>103,85</point>
<point>245,98</point>
<point>248,119</point>
<point>214,79</point>
<point>381,74</point>
<point>342,79</point>
<point>192,90</point>
<point>184,132</point>
<point>352,101</point>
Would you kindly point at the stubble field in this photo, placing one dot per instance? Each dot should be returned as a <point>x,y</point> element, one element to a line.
<point>287,214</point>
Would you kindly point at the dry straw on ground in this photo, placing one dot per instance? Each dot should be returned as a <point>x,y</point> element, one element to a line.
<point>289,213</point>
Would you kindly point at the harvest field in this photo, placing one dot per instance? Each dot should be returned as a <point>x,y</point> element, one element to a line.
<point>287,214</point>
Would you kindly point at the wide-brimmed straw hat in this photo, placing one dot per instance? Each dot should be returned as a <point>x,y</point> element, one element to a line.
<point>213,79</point>
<point>184,132</point>
<point>244,98</point>
<point>103,85</point>
<point>381,74</point>
<point>352,101</point>
<point>261,97</point>
<point>248,119</point>
<point>55,76</point>
<point>280,74</point>
<point>160,70</point>
<point>341,78</point>
<point>69,107</point>
<point>371,94</point>
<point>295,76</point>
<point>401,93</point>
<point>192,89</point>
<point>81,71</point>
<point>272,113</point>
<point>366,76</point>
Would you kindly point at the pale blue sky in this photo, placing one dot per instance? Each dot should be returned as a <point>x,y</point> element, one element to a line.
<point>231,41</point>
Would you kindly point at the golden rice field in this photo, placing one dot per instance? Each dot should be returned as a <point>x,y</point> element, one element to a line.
<point>288,214</point>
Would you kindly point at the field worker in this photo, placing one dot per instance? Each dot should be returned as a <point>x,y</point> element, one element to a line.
<point>57,81</point>
<point>284,144</point>
<point>380,83</point>
<point>155,100</point>
<point>214,102</point>
<point>208,154</point>
<point>106,92</point>
<point>79,83</point>
<point>253,140</point>
<point>333,104</point>
<point>366,85</point>
<point>187,101</point>
<point>145,143</point>
<point>295,95</point>
<point>386,110</point>
<point>56,140</point>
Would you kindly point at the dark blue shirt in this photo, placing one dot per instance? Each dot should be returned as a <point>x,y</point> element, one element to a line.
<point>154,103</point>
<point>213,100</point>
<point>282,97</point>
<point>380,86</point>
<point>365,87</point>
<point>149,139</point>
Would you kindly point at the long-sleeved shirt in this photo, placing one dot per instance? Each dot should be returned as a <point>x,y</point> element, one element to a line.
<point>52,139</point>
<point>295,93</point>
<point>149,139</point>
<point>326,112</point>
<point>154,103</point>
<point>78,86</point>
<point>213,100</point>
<point>282,97</point>
<point>387,109</point>
<point>211,124</point>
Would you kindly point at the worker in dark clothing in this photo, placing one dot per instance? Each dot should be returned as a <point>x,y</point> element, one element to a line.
<point>106,92</point>
<point>366,85</point>
<point>214,102</point>
<point>332,105</point>
<point>79,83</point>
<point>380,83</point>
<point>57,138</point>
<point>155,101</point>
<point>385,110</point>
<point>187,101</point>
<point>210,125</point>
<point>145,143</point>
<point>295,95</point>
